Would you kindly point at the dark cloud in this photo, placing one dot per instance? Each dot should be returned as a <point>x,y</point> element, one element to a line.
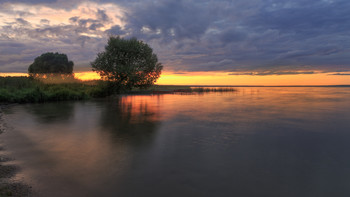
<point>344,74</point>
<point>261,37</point>
<point>9,48</point>
<point>115,30</point>
<point>232,35</point>
<point>21,21</point>
<point>248,35</point>
<point>170,19</point>
<point>85,22</point>
<point>21,42</point>
<point>74,19</point>
<point>90,24</point>
<point>102,16</point>
<point>56,4</point>
<point>45,21</point>
<point>273,73</point>
<point>12,55</point>
<point>30,1</point>
<point>95,26</point>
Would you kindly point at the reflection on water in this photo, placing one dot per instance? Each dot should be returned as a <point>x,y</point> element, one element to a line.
<point>252,142</point>
<point>130,119</point>
<point>50,114</point>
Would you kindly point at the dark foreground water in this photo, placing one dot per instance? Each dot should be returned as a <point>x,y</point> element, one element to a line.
<point>254,142</point>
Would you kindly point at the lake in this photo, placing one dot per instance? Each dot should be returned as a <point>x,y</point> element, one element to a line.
<point>256,141</point>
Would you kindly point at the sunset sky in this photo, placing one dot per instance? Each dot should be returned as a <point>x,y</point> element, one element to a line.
<point>207,42</point>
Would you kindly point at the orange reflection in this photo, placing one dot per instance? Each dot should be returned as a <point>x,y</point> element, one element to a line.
<point>289,104</point>
<point>140,108</point>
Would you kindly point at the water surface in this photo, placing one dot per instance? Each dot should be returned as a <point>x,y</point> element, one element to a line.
<point>257,141</point>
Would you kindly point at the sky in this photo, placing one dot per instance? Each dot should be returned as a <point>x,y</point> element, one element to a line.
<point>300,42</point>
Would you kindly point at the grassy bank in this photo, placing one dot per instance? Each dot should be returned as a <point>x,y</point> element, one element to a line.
<point>29,90</point>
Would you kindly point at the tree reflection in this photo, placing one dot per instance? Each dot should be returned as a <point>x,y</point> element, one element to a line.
<point>51,112</point>
<point>131,118</point>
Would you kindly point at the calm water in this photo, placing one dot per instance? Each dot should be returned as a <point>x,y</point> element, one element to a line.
<point>252,142</point>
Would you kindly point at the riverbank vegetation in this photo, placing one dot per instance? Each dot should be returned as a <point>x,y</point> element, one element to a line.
<point>31,90</point>
<point>35,90</point>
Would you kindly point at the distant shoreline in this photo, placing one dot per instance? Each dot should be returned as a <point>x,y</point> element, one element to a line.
<point>237,86</point>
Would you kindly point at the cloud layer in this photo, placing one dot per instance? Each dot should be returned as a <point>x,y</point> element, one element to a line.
<point>267,37</point>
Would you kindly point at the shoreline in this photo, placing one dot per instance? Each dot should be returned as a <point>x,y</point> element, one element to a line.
<point>9,187</point>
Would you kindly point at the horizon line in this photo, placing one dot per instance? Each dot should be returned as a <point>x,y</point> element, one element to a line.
<point>340,85</point>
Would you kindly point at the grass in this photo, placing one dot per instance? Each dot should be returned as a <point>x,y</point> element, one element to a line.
<point>29,90</point>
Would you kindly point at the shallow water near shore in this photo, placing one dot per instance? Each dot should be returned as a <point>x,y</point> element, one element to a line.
<point>256,141</point>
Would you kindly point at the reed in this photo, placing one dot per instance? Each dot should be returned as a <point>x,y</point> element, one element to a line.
<point>213,89</point>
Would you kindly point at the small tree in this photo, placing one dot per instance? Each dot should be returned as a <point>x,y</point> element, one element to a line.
<point>51,63</point>
<point>127,63</point>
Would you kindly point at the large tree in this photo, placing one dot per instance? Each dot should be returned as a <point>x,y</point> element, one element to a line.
<point>127,63</point>
<point>51,63</point>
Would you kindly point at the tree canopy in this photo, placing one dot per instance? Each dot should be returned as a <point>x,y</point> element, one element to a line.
<point>127,63</point>
<point>51,63</point>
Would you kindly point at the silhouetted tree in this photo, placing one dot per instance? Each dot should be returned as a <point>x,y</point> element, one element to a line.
<point>127,63</point>
<point>51,63</point>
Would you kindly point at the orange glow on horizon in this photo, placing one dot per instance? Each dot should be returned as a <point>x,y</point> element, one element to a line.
<point>223,78</point>
<point>85,76</point>
<point>13,74</point>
